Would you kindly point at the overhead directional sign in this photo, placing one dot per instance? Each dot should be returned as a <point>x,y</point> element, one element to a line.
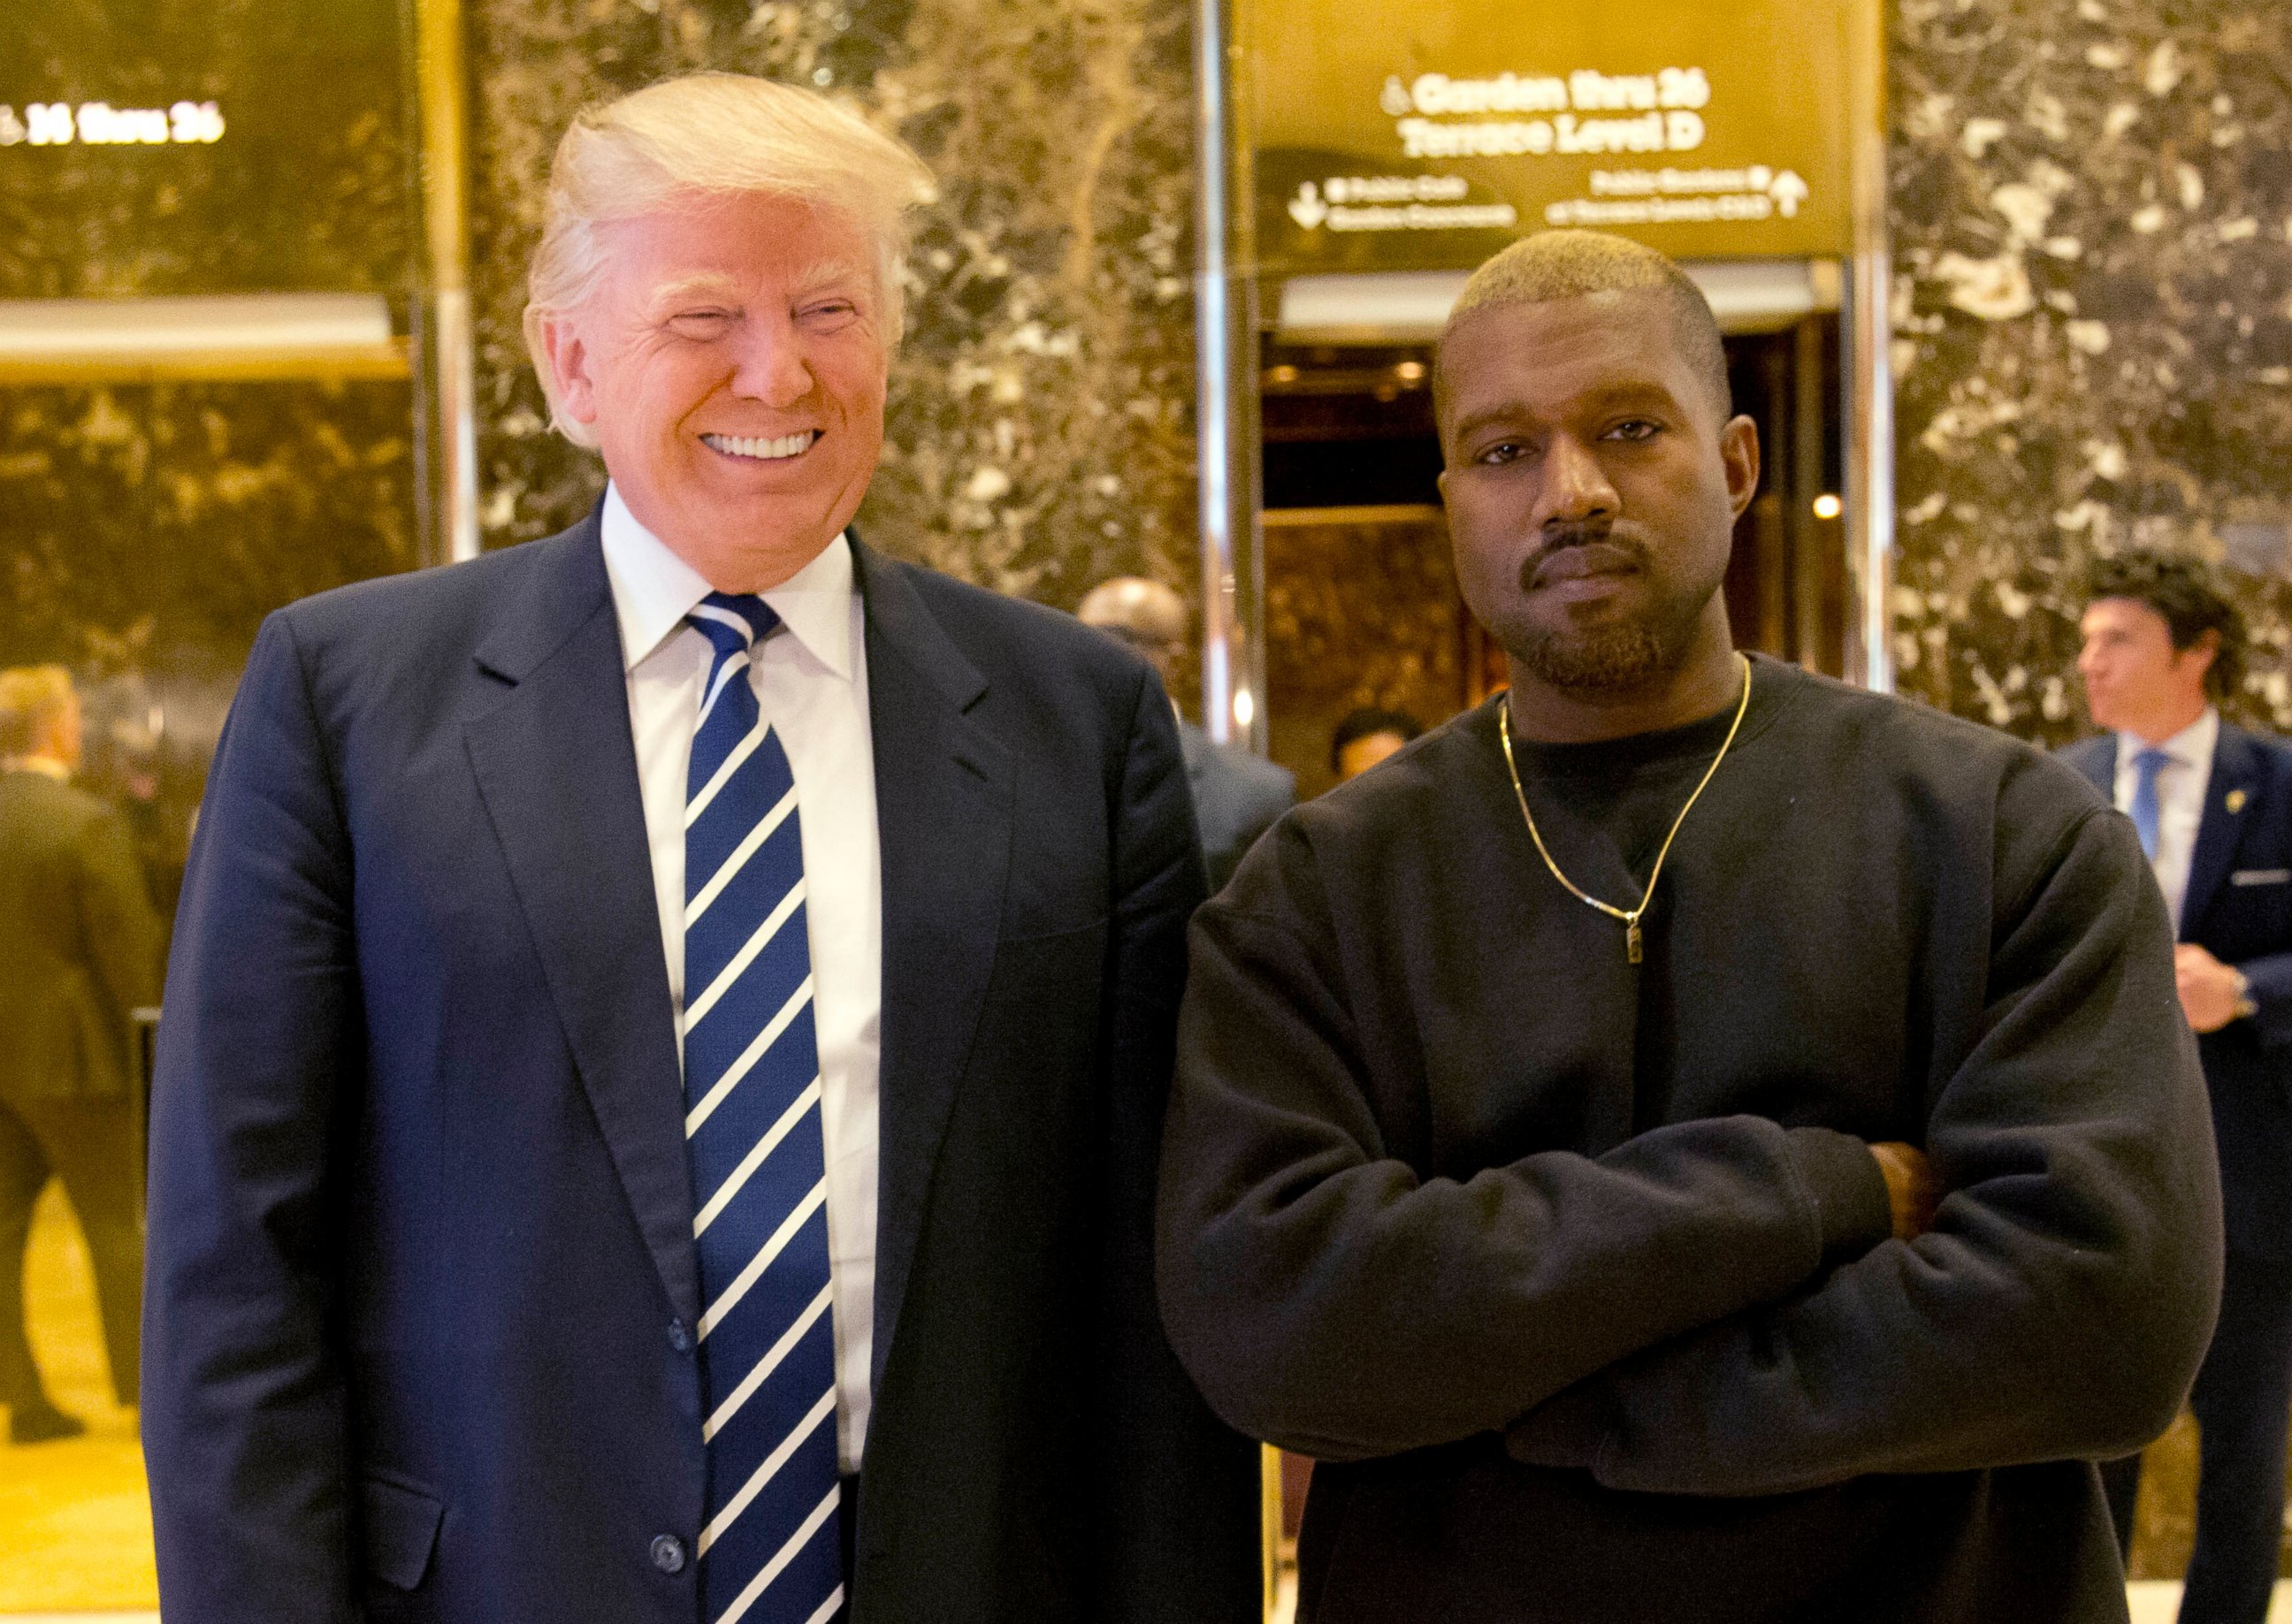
<point>166,149</point>
<point>1424,135</point>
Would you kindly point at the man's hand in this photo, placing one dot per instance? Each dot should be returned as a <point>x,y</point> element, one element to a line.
<point>1912,1194</point>
<point>2209,989</point>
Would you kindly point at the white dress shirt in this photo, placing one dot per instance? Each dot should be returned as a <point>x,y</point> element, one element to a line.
<point>2180,799</point>
<point>811,685</point>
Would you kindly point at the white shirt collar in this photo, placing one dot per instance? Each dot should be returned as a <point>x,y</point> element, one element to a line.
<point>654,590</point>
<point>2191,744</point>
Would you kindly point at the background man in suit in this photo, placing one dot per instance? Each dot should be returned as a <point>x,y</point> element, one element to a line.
<point>1236,795</point>
<point>466,1306</point>
<point>1368,736</point>
<point>77,954</point>
<point>2213,804</point>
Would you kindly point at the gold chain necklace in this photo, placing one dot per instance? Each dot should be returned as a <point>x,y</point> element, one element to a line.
<point>1630,917</point>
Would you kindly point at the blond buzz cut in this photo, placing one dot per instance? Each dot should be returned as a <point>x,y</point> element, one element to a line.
<point>1555,265</point>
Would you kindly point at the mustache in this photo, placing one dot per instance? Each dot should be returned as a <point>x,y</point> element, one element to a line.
<point>1557,539</point>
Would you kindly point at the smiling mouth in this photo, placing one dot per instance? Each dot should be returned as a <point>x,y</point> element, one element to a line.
<point>756,450</point>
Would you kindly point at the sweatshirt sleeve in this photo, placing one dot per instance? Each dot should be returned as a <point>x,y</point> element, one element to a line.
<point>2061,1303</point>
<point>1328,1299</point>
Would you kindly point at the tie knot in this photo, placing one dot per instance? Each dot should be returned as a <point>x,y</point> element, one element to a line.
<point>2149,763</point>
<point>733,621</point>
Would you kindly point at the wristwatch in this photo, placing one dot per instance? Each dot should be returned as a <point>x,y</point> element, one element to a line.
<point>2245,1008</point>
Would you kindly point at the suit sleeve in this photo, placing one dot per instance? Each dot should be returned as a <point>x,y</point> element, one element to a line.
<point>2270,979</point>
<point>2061,1303</point>
<point>1334,1300</point>
<point>116,918</point>
<point>1179,1524</point>
<point>244,1418</point>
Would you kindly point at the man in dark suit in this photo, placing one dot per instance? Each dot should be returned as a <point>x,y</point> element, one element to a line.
<point>1236,795</point>
<point>2213,805</point>
<point>465,1306</point>
<point>77,954</point>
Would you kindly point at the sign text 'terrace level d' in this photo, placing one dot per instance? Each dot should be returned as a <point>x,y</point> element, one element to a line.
<point>1417,139</point>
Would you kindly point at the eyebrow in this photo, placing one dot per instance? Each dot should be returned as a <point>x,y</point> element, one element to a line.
<point>827,273</point>
<point>713,287</point>
<point>1632,392</point>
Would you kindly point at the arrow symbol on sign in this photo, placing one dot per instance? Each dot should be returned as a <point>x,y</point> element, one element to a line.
<point>1789,191</point>
<point>1307,208</point>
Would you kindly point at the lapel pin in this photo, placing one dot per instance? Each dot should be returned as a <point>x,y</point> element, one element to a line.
<point>2236,800</point>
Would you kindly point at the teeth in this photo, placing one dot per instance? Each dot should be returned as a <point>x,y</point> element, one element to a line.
<point>762,450</point>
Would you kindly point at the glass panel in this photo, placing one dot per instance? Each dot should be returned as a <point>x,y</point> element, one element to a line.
<point>208,225</point>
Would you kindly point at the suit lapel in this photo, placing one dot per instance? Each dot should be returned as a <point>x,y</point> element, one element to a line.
<point>944,789</point>
<point>556,767</point>
<point>2236,771</point>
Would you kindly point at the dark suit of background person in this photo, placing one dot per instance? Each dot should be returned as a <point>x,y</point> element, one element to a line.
<point>77,954</point>
<point>1236,795</point>
<point>422,1230</point>
<point>2238,907</point>
<point>1237,798</point>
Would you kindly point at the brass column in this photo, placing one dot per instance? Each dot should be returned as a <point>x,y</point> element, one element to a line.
<point>1225,395</point>
<point>1867,342</point>
<point>443,92</point>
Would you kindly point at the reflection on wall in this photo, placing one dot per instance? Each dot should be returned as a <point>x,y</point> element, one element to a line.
<point>299,182</point>
<point>1360,609</point>
<point>150,528</point>
<point>1039,434</point>
<point>2091,207</point>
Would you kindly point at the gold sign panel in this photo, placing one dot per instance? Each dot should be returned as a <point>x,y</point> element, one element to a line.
<point>1424,135</point>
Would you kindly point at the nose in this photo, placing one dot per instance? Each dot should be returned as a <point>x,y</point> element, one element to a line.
<point>1575,489</point>
<point>770,368</point>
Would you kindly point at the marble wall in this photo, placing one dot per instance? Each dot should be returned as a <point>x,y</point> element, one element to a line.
<point>2091,214</point>
<point>1038,436</point>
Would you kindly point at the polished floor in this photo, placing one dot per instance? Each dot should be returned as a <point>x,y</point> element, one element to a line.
<point>74,1519</point>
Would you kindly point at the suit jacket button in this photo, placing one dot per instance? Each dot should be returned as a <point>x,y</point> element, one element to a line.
<point>668,1553</point>
<point>679,1338</point>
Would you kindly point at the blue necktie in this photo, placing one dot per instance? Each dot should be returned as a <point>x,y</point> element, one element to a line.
<point>2148,764</point>
<point>770,1553</point>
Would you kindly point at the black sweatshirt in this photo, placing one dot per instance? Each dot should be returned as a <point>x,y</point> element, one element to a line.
<point>1581,1270</point>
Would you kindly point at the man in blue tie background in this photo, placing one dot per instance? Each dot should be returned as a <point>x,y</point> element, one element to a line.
<point>668,1029</point>
<point>2213,804</point>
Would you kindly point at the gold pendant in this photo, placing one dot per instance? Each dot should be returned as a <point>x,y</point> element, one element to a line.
<point>1632,939</point>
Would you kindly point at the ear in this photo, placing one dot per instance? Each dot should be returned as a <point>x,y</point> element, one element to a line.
<point>558,340</point>
<point>1739,453</point>
<point>2200,653</point>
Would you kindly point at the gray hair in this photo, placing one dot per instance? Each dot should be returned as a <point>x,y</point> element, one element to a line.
<point>717,134</point>
<point>1553,265</point>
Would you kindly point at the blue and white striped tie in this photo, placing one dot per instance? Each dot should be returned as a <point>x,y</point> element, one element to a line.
<point>770,1553</point>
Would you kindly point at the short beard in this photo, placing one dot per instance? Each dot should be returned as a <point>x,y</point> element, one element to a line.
<point>1611,660</point>
<point>1615,659</point>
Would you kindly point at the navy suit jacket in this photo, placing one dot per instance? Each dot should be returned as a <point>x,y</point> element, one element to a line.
<point>421,1250</point>
<point>1237,798</point>
<point>2238,908</point>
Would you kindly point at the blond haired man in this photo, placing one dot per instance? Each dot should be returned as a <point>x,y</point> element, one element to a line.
<point>669,1024</point>
<point>78,953</point>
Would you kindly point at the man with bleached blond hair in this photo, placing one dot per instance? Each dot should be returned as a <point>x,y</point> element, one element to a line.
<point>669,1024</point>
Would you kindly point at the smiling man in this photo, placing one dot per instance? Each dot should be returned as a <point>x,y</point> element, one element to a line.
<point>1686,1140</point>
<point>668,1029</point>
